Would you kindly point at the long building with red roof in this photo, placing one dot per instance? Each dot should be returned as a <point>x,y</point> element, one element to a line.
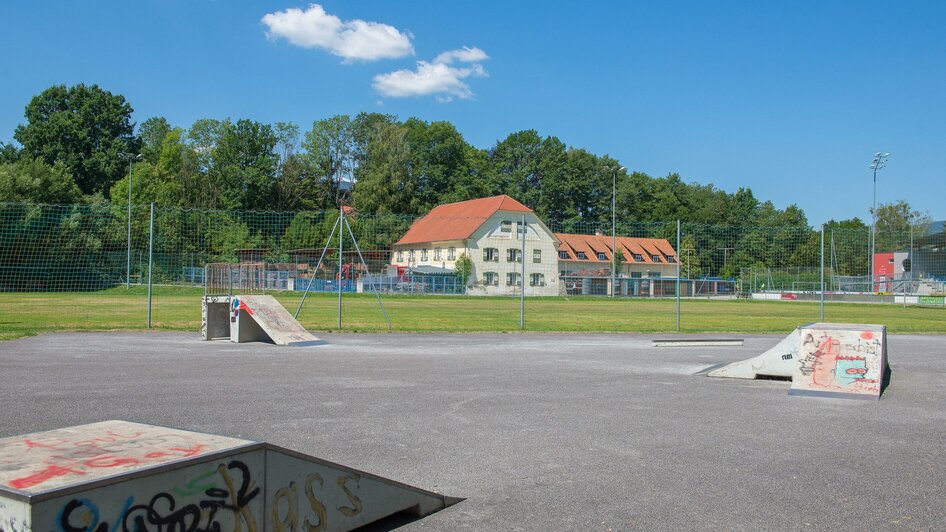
<point>490,232</point>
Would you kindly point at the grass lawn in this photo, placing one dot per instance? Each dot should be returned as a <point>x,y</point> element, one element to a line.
<point>25,314</point>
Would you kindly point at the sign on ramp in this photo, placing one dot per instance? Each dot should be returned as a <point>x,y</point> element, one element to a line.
<point>257,318</point>
<point>118,475</point>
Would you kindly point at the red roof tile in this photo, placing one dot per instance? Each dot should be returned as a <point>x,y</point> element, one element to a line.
<point>457,221</point>
<point>630,246</point>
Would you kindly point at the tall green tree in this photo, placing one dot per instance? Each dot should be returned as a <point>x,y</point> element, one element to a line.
<point>331,150</point>
<point>34,181</point>
<point>385,181</point>
<point>244,165</point>
<point>152,132</point>
<point>8,153</point>
<point>83,127</point>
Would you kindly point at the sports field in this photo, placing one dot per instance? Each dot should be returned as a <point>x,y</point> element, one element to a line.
<point>25,314</point>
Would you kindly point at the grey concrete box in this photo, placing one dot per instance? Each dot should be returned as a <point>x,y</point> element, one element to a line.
<point>117,475</point>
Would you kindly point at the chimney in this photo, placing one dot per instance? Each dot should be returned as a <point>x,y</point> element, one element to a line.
<point>598,232</point>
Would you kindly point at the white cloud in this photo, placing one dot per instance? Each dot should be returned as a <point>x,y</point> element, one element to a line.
<point>465,54</point>
<point>439,77</point>
<point>352,40</point>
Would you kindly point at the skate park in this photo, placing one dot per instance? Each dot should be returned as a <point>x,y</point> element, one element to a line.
<point>532,432</point>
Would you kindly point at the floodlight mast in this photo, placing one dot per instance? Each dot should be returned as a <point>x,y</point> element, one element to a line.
<point>879,162</point>
<point>131,158</point>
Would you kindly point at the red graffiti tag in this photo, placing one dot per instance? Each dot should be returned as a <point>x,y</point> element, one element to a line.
<point>50,472</point>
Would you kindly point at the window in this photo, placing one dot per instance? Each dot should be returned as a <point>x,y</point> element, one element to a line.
<point>537,256</point>
<point>522,228</point>
<point>491,278</point>
<point>436,253</point>
<point>490,254</point>
<point>410,255</point>
<point>636,275</point>
<point>513,279</point>
<point>563,255</point>
<point>513,255</point>
<point>671,259</point>
<point>602,256</point>
<point>537,279</point>
<point>452,254</point>
<point>638,257</point>
<point>582,256</point>
<point>423,254</point>
<point>505,226</point>
<point>655,258</point>
<point>653,275</point>
<point>400,256</point>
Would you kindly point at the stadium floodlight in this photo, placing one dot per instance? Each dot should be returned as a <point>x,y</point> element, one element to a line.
<point>131,158</point>
<point>877,163</point>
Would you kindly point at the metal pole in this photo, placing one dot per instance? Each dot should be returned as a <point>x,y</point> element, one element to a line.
<point>341,212</point>
<point>614,180</point>
<point>873,231</point>
<point>912,269</point>
<point>678,275</point>
<point>131,165</point>
<point>522,278</point>
<point>150,261</point>
<point>822,272</point>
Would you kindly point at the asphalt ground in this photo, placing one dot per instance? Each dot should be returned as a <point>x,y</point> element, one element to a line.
<point>535,431</point>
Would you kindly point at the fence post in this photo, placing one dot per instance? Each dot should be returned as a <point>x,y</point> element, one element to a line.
<point>150,260</point>
<point>678,275</point>
<point>341,212</point>
<point>522,278</point>
<point>822,272</point>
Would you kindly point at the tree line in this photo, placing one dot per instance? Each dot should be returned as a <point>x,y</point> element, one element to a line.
<point>78,143</point>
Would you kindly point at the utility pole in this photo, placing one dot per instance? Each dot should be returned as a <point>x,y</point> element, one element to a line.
<point>614,181</point>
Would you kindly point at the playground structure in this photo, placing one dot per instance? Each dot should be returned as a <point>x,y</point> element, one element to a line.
<point>118,475</point>
<point>246,318</point>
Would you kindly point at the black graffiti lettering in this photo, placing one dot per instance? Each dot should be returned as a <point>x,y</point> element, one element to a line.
<point>65,522</point>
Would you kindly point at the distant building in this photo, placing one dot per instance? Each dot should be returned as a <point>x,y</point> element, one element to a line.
<point>490,232</point>
<point>584,264</point>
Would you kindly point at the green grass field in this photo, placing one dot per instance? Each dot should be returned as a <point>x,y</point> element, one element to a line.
<point>25,314</point>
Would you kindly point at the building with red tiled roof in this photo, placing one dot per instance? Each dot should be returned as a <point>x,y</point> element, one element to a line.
<point>490,231</point>
<point>586,259</point>
<point>639,257</point>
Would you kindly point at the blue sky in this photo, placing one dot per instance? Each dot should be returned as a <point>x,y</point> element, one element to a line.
<point>789,99</point>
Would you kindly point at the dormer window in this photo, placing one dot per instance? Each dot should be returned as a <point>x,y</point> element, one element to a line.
<point>563,255</point>
<point>671,259</point>
<point>602,256</point>
<point>582,256</point>
<point>638,257</point>
<point>655,258</point>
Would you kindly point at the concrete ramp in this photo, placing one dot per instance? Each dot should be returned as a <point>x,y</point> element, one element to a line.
<point>256,318</point>
<point>778,361</point>
<point>118,475</point>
